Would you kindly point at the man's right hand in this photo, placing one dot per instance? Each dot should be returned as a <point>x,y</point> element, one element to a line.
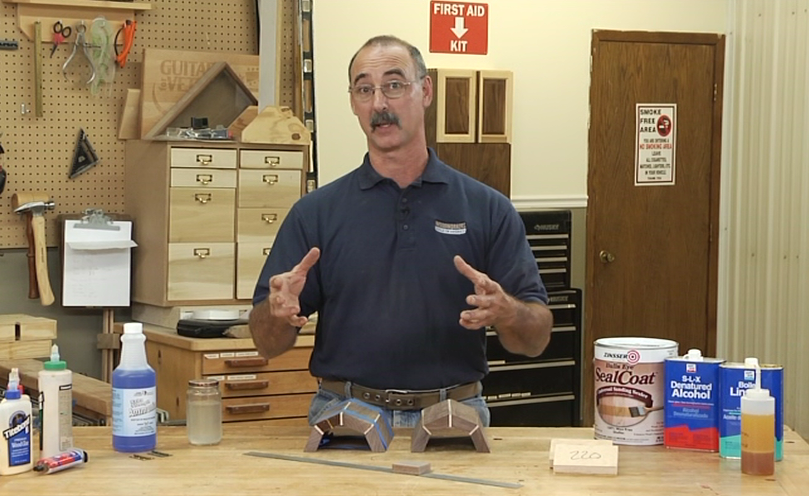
<point>285,290</point>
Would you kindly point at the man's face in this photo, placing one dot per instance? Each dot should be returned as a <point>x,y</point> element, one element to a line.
<point>389,123</point>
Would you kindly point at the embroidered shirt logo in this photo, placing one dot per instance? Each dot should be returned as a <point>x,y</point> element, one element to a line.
<point>455,228</point>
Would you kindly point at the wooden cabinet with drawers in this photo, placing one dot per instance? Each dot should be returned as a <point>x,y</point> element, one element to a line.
<point>205,215</point>
<point>253,388</point>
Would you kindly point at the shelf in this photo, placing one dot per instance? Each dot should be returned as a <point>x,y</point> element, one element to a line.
<point>71,12</point>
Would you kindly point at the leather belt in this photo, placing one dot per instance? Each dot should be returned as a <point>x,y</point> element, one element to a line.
<point>396,399</point>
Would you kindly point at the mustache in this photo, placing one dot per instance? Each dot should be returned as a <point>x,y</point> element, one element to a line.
<point>382,118</point>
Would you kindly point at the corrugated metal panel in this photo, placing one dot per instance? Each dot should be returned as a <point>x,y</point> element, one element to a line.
<point>765,295</point>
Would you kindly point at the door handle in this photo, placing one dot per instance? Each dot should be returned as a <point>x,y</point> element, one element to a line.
<point>606,257</point>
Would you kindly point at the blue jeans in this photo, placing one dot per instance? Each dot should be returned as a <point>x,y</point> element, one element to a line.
<point>324,400</point>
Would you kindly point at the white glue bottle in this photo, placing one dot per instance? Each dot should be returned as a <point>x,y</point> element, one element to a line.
<point>758,427</point>
<point>134,395</point>
<point>55,406</point>
<point>16,454</point>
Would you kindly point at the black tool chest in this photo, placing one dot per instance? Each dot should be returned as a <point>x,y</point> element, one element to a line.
<point>545,390</point>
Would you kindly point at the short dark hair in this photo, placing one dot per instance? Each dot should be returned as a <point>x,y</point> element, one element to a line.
<point>389,40</point>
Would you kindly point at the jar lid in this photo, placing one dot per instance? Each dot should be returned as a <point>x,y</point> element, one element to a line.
<point>203,383</point>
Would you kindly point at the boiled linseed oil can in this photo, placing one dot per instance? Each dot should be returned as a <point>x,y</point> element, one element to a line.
<point>734,379</point>
<point>630,389</point>
<point>692,402</point>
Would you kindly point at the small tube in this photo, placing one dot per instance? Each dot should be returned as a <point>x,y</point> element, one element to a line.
<point>61,461</point>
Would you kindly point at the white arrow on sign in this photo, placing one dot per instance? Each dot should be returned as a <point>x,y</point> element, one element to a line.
<point>459,28</point>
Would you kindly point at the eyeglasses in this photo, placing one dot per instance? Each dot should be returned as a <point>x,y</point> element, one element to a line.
<point>391,89</point>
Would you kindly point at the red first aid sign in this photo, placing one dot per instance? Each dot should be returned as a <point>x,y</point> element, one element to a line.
<point>459,27</point>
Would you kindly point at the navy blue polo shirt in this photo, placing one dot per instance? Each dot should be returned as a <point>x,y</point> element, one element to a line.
<point>387,293</point>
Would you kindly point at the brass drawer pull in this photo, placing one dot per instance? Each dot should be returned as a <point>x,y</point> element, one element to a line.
<point>242,409</point>
<point>202,197</point>
<point>204,159</point>
<point>246,362</point>
<point>202,253</point>
<point>270,179</point>
<point>244,385</point>
<point>205,179</point>
<point>272,161</point>
<point>266,251</point>
<point>269,218</point>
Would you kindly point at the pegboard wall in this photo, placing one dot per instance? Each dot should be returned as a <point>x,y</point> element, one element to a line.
<point>39,150</point>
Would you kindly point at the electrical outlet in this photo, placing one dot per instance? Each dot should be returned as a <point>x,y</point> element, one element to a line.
<point>9,45</point>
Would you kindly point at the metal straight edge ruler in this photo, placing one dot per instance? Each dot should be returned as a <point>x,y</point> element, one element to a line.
<point>376,468</point>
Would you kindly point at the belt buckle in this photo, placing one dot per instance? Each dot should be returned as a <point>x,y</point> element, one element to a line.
<point>400,399</point>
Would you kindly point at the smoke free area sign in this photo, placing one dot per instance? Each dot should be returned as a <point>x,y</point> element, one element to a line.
<point>459,27</point>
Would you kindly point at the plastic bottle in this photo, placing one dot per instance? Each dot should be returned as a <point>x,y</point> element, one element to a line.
<point>134,395</point>
<point>15,426</point>
<point>758,428</point>
<point>55,406</point>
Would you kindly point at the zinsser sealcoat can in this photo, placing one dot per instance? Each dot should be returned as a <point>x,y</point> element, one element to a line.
<point>630,389</point>
<point>692,402</point>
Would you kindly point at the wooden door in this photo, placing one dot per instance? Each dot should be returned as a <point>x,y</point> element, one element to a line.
<point>651,264</point>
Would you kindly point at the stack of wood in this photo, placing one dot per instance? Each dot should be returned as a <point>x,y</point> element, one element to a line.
<point>24,336</point>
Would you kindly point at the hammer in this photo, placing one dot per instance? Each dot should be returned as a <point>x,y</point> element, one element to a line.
<point>35,208</point>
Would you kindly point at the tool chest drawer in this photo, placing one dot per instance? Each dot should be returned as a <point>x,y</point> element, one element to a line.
<point>265,407</point>
<point>234,362</point>
<point>204,215</point>
<point>271,159</point>
<point>507,381</point>
<point>208,158</point>
<point>548,411</point>
<point>549,234</point>
<point>200,270</point>
<point>269,188</point>
<point>250,259</point>
<point>563,346</point>
<point>203,178</point>
<point>262,383</point>
<point>255,225</point>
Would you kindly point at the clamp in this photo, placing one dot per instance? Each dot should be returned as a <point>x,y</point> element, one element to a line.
<point>81,28</point>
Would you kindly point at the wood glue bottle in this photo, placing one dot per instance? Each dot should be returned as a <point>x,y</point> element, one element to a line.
<point>758,427</point>
<point>55,406</point>
<point>15,429</point>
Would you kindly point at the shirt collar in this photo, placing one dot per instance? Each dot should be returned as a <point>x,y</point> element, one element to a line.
<point>436,171</point>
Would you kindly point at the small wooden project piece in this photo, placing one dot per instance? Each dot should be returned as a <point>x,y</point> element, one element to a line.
<point>595,459</point>
<point>411,467</point>
<point>584,442</point>
<point>449,419</point>
<point>352,417</point>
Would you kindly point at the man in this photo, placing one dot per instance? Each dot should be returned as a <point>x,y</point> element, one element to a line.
<point>405,259</point>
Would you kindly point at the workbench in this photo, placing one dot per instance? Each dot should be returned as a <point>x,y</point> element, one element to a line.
<point>519,455</point>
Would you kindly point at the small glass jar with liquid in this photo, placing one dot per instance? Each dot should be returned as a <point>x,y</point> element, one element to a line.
<point>204,412</point>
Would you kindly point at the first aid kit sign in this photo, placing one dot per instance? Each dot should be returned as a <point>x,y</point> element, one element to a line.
<point>459,27</point>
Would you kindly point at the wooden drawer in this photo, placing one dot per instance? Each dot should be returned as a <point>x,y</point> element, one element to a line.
<point>250,259</point>
<point>263,383</point>
<point>208,158</point>
<point>257,225</point>
<point>269,188</point>
<point>200,271</point>
<point>271,159</point>
<point>201,215</point>
<point>265,407</point>
<point>240,362</point>
<point>203,178</point>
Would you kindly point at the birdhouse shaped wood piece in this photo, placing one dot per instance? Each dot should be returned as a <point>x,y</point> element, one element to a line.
<point>449,419</point>
<point>352,419</point>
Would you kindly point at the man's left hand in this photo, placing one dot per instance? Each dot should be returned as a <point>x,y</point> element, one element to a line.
<point>491,302</point>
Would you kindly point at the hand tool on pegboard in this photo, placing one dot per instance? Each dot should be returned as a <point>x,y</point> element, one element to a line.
<point>33,206</point>
<point>2,171</point>
<point>128,30</point>
<point>38,68</point>
<point>60,34</point>
<point>84,156</point>
<point>81,28</point>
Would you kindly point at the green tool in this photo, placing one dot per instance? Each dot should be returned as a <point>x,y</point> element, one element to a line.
<point>375,468</point>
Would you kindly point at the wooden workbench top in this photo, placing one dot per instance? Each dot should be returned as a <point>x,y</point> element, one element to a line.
<point>519,455</point>
<point>169,336</point>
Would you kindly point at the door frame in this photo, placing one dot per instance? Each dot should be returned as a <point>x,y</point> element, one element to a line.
<point>718,41</point>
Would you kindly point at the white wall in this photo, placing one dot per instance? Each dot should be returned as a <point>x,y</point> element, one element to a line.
<point>546,43</point>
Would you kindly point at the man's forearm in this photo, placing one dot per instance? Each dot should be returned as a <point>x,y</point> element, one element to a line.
<point>528,330</point>
<point>271,335</point>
